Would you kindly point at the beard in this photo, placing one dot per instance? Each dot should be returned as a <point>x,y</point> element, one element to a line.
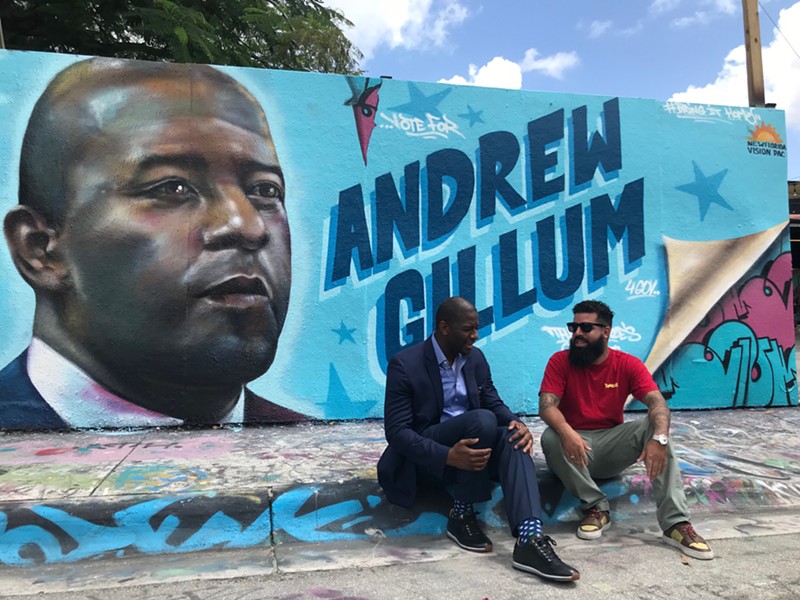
<point>583,356</point>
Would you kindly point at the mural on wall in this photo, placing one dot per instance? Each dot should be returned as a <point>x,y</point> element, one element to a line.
<point>148,210</point>
<point>740,351</point>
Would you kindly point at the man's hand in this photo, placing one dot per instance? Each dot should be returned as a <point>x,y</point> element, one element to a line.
<point>461,456</point>
<point>522,436</point>
<point>655,459</point>
<point>575,448</point>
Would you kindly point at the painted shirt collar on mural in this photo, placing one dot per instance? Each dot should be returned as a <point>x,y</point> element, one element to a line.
<point>79,400</point>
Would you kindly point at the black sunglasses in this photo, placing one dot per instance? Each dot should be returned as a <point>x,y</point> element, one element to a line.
<point>584,327</point>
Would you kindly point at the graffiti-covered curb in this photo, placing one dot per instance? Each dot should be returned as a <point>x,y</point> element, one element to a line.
<point>73,530</point>
<point>85,495</point>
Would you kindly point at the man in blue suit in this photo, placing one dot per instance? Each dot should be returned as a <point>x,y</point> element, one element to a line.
<point>152,227</point>
<point>446,425</point>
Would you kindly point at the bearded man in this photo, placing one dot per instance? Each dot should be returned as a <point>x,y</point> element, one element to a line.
<point>581,399</point>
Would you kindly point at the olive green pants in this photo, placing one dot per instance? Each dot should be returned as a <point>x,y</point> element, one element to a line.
<point>612,451</point>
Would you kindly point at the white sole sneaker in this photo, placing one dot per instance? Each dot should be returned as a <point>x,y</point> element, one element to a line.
<point>592,535</point>
<point>698,554</point>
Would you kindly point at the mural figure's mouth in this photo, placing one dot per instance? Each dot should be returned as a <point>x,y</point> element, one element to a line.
<point>239,291</point>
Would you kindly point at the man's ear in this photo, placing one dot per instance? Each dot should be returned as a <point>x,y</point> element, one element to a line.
<point>443,327</point>
<point>34,246</point>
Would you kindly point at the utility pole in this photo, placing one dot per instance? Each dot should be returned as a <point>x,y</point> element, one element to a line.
<point>752,44</point>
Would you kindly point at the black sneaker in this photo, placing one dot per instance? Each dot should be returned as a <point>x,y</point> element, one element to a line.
<point>538,557</point>
<point>464,530</point>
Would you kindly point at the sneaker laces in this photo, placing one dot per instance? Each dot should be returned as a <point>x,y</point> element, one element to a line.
<point>593,513</point>
<point>545,546</point>
<point>471,523</point>
<point>687,530</point>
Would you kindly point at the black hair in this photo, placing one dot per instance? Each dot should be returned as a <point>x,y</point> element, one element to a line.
<point>604,314</point>
<point>452,309</point>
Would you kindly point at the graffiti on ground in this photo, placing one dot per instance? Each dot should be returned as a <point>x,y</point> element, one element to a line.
<point>714,479</point>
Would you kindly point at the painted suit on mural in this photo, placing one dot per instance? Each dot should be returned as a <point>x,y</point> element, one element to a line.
<point>152,228</point>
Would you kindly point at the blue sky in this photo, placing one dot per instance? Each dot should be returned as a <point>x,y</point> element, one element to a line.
<point>684,50</point>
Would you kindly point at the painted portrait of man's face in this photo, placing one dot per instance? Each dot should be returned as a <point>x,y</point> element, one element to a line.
<point>169,226</point>
<point>178,239</point>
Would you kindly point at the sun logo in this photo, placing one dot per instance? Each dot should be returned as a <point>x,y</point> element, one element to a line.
<point>765,133</point>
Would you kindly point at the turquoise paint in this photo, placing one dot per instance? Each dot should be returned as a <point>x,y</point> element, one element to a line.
<point>526,202</point>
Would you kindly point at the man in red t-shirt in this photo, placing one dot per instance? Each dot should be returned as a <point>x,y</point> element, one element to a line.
<point>581,399</point>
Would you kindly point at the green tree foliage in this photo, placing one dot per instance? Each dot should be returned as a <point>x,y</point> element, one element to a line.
<point>301,35</point>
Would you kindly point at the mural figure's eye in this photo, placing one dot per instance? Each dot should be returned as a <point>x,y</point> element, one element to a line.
<point>172,190</point>
<point>266,190</point>
<point>767,290</point>
<point>266,194</point>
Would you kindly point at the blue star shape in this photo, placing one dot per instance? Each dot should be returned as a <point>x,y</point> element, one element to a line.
<point>345,334</point>
<point>473,115</point>
<point>706,188</point>
<point>339,404</point>
<point>419,104</point>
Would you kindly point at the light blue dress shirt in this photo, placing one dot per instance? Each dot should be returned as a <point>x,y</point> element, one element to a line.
<point>454,388</point>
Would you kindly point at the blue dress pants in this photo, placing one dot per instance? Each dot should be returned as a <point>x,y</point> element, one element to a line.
<point>512,468</point>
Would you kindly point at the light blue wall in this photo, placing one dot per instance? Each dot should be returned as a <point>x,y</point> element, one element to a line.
<point>524,202</point>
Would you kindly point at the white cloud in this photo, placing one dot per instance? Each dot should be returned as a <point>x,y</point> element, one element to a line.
<point>452,15</point>
<point>705,10</point>
<point>635,29</point>
<point>498,72</point>
<point>728,7</point>
<point>730,86</point>
<point>504,73</point>
<point>700,17</point>
<point>552,66</point>
<point>598,28</point>
<point>781,77</point>
<point>662,6</point>
<point>399,23</point>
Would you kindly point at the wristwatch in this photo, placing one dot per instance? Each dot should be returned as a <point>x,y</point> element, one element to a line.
<point>661,439</point>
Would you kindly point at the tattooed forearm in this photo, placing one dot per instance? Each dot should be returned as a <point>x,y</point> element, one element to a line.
<point>547,400</point>
<point>657,412</point>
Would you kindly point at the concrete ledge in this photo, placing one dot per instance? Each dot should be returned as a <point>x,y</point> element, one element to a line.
<point>71,497</point>
<point>73,530</point>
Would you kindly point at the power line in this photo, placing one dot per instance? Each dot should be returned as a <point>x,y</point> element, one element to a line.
<point>779,29</point>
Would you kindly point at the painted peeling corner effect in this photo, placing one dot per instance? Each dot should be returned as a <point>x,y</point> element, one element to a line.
<point>742,354</point>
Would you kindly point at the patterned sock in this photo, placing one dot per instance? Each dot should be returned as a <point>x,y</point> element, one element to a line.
<point>529,528</point>
<point>459,507</point>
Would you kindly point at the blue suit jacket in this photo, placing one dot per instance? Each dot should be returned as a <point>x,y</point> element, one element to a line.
<point>23,407</point>
<point>414,401</point>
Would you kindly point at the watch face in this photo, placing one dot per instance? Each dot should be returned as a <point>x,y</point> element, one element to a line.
<point>661,439</point>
